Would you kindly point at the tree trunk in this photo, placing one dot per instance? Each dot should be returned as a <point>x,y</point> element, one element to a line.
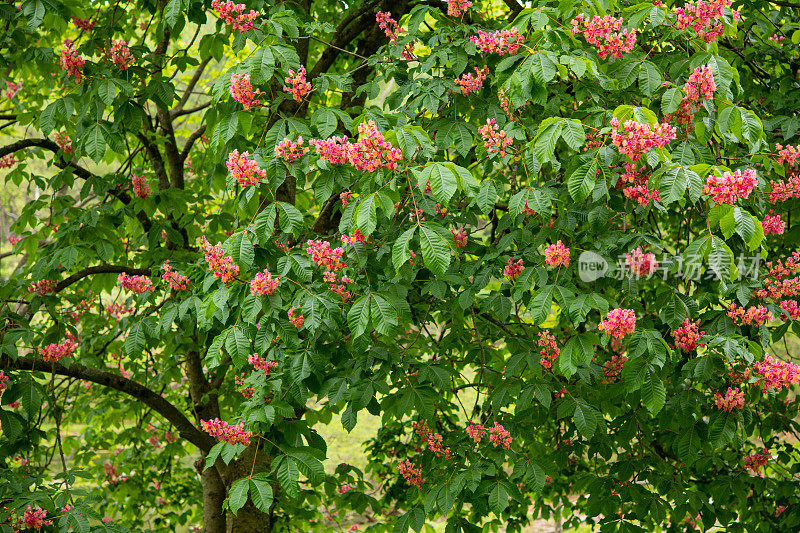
<point>213,495</point>
<point>248,519</point>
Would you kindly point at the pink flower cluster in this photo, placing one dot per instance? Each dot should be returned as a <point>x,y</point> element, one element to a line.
<point>472,84</point>
<point>372,151</point>
<point>435,445</point>
<point>121,55</point>
<point>296,320</point>
<point>357,237</point>
<point>755,315</point>
<point>135,284</point>
<point>476,431</point>
<point>45,286</point>
<point>344,196</point>
<point>790,310</point>
<point>512,270</point>
<point>220,264</point>
<point>613,368</point>
<point>789,155</point>
<point>500,42</point>
<point>243,169</point>
<point>83,24</point>
<point>176,281</point>
<point>781,279</point>
<point>640,263</point>
<point>388,25</point>
<point>773,224</point>
<point>140,187</point>
<point>549,349</point>
<point>322,254</point>
<point>64,142</point>
<point>35,518</point>
<point>729,188</point>
<point>54,352</point>
<point>242,91</point>
<point>733,399</point>
<point>226,432</point>
<point>499,436</point>
<point>71,61</point>
<point>604,34</point>
<point>11,89</point>
<point>13,239</point>
<point>411,474</point>
<point>296,84</point>
<point>703,16</point>
<point>494,139</point>
<point>7,161</point>
<point>687,335</point>
<point>456,8</point>
<point>117,309</point>
<point>556,254</point>
<point>289,150</point>
<point>700,85</point>
<point>777,374</point>
<point>333,150</point>
<point>618,322</point>
<point>638,190</point>
<point>3,381</point>
<point>781,190</point>
<point>262,364</point>
<point>234,15</point>
<point>460,238</point>
<point>638,139</point>
<point>755,461</point>
<point>263,283</point>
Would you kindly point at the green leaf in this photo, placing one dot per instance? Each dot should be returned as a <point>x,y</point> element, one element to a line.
<point>384,316</point>
<point>289,217</point>
<point>649,78</point>
<point>325,121</point>
<point>366,214</point>
<point>261,493</point>
<point>671,100</point>
<point>541,304</point>
<point>435,250</point>
<point>582,181</point>
<point>172,12</point>
<point>498,499</point>
<point>542,67</point>
<point>358,316</point>
<point>547,138</point>
<point>401,252</point>
<point>653,392</point>
<point>238,346</point>
<point>585,419</point>
<point>309,465</point>
<point>95,142</point>
<point>444,183</point>
<point>237,496</point>
<point>573,134</point>
<point>288,474</point>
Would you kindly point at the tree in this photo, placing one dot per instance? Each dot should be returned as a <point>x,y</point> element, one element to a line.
<point>550,245</point>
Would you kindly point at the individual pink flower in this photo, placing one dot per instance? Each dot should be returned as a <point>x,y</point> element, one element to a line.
<point>733,399</point>
<point>512,270</point>
<point>435,445</point>
<point>773,224</point>
<point>618,322</point>
<point>226,432</point>
<point>234,14</point>
<point>262,364</point>
<point>687,335</point>
<point>220,264</point>
<point>344,488</point>
<point>121,55</point>
<point>55,352</point>
<point>243,169</point>
<point>11,89</point>
<point>777,374</point>
<point>357,237</point>
<point>242,91</point>
<point>494,139</point>
<point>557,255</point>
<point>296,320</point>
<point>638,139</point>
<point>476,431</point>
<point>263,284</point>
<point>140,187</point>
<point>71,62</point>
<point>729,188</point>
<point>176,281</point>
<point>640,263</point>
<point>549,349</point>
<point>499,436</point>
<point>45,286</point>
<point>297,85</point>
<point>289,150</point>
<point>603,33</point>
<point>500,42</point>
<point>700,85</point>
<point>3,381</point>
<point>411,474</point>
<point>135,284</point>
<point>472,84</point>
<point>345,197</point>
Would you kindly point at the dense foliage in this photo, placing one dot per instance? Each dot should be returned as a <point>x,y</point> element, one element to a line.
<point>550,244</point>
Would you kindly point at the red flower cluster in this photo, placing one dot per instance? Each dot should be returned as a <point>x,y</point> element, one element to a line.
<point>13,239</point>
<point>262,364</point>
<point>557,254</point>
<point>296,84</point>
<point>777,374</point>
<point>789,155</point>
<point>234,15</point>
<point>140,187</point>
<point>435,445</point>
<point>791,309</point>
<point>728,188</point>
<point>476,431</point>
<point>412,475</point>
<point>263,283</point>
<point>289,150</point>
<point>638,139</point>
<point>54,352</point>
<point>242,91</point>
<point>225,432</point>
<point>243,169</point>
<point>773,224</point>
<point>45,286</point>
<point>500,42</point>
<point>781,190</point>
<point>11,89</point>
<point>35,518</point>
<point>613,368</point>
<point>176,281</point>
<point>344,196</point>
<point>220,264</point>
<point>121,55</point>
<point>7,161</point>
<point>494,139</point>
<point>357,237</point>
<point>755,315</point>
<point>298,320</point>
<point>372,151</point>
<point>603,33</point>
<point>498,436</point>
<point>333,150</point>
<point>135,284</point>
<point>781,280</point>
<point>472,84</point>
<point>703,16</point>
<point>64,142</point>
<point>460,238</point>
<point>456,8</point>
<point>700,85</point>
<point>117,309</point>
<point>512,270</point>
<point>83,24</point>
<point>388,25</point>
<point>549,349</point>
<point>618,322</point>
<point>640,263</point>
<point>3,381</point>
<point>71,61</point>
<point>733,399</point>
<point>687,336</point>
<point>755,461</point>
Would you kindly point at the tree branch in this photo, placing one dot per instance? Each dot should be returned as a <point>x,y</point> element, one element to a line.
<point>100,269</point>
<point>150,398</point>
<point>189,88</point>
<point>189,111</point>
<point>196,134</point>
